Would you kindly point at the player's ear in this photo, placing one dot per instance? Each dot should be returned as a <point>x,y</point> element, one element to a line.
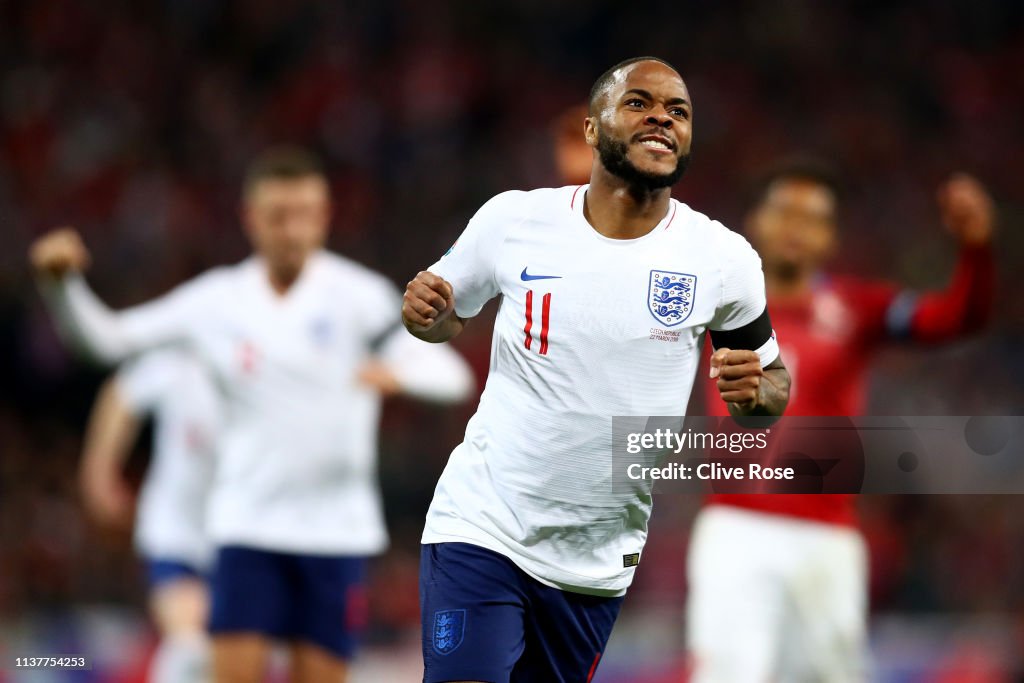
<point>590,130</point>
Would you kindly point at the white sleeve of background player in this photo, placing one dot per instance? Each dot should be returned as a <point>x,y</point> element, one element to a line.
<point>429,372</point>
<point>379,306</point>
<point>470,264</point>
<point>88,324</point>
<point>743,305</point>
<point>144,381</point>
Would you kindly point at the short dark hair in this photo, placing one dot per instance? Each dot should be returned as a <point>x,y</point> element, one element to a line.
<point>604,79</point>
<point>286,162</point>
<point>802,167</point>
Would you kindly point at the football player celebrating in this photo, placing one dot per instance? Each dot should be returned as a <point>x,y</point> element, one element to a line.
<point>607,290</point>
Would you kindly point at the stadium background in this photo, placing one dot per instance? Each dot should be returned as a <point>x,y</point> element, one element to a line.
<point>133,121</point>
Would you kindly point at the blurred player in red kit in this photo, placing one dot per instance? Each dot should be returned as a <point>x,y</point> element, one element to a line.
<point>778,583</point>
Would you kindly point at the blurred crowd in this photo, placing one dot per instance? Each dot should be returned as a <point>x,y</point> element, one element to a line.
<point>133,121</point>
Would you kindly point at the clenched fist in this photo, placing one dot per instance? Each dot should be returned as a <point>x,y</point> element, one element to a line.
<point>739,376</point>
<point>58,253</point>
<point>967,209</point>
<point>428,303</point>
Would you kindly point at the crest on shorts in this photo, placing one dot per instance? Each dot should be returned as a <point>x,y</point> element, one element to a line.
<point>670,296</point>
<point>449,627</point>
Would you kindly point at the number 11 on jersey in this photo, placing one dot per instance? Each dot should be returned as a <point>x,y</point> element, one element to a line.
<point>545,315</point>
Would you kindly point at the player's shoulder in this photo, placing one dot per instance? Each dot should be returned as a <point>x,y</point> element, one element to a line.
<point>211,286</point>
<point>695,225</point>
<point>514,205</point>
<point>155,372</point>
<point>164,360</point>
<point>221,276</point>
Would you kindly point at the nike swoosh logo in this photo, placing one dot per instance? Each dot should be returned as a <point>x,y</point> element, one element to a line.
<point>526,278</point>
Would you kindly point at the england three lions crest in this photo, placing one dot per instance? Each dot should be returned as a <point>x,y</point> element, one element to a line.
<point>449,628</point>
<point>670,296</point>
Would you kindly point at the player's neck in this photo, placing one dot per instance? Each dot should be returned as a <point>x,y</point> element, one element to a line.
<point>282,280</point>
<point>619,211</point>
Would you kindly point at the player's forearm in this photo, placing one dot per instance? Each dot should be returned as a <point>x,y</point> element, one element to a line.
<point>966,303</point>
<point>447,329</point>
<point>773,394</point>
<point>84,321</point>
<point>110,434</point>
<point>111,430</point>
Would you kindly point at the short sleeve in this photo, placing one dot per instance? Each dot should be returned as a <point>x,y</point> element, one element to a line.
<point>382,305</point>
<point>469,265</point>
<point>742,310</point>
<point>742,297</point>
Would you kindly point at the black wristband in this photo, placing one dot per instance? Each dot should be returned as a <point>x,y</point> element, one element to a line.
<point>750,337</point>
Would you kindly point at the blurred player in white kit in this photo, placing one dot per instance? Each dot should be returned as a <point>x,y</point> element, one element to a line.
<point>289,336</point>
<point>170,532</point>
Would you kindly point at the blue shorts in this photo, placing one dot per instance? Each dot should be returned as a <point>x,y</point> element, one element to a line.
<point>161,571</point>
<point>485,619</point>
<point>318,599</point>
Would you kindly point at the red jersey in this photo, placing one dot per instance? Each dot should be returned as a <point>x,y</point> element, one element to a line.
<point>827,339</point>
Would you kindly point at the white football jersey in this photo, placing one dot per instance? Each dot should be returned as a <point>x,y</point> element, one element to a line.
<point>296,461</point>
<point>173,387</point>
<point>588,328</point>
